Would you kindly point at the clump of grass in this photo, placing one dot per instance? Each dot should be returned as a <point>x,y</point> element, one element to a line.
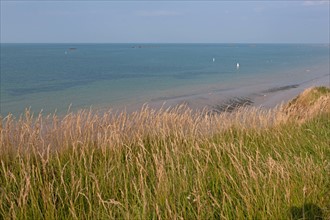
<point>312,100</point>
<point>167,164</point>
<point>310,96</point>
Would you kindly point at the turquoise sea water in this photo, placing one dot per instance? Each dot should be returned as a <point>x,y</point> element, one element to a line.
<point>53,76</point>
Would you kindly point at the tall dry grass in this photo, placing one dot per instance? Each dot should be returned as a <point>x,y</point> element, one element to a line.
<point>169,163</point>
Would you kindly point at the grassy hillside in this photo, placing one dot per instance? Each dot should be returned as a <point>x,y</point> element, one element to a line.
<point>170,164</point>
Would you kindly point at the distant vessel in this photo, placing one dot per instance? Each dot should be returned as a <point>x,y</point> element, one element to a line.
<point>237,65</point>
<point>213,59</point>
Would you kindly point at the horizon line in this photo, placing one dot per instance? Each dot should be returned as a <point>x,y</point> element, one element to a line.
<point>164,42</point>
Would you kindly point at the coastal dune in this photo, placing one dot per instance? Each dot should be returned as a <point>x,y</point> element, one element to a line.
<point>169,163</point>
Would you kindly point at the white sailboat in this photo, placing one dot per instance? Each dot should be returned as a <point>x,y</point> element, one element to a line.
<point>213,59</point>
<point>237,65</point>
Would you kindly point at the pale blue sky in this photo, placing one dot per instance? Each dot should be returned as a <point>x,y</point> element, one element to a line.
<point>165,21</point>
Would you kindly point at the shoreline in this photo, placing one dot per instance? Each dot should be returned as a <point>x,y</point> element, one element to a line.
<point>266,96</point>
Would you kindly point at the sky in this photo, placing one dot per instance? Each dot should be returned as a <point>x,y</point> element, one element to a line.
<point>164,21</point>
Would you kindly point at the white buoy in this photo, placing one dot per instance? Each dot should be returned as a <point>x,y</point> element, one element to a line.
<point>237,65</point>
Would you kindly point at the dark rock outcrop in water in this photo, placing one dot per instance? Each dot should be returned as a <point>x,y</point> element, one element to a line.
<point>232,104</point>
<point>281,88</point>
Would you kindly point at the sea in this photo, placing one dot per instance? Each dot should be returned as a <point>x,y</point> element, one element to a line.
<point>61,77</point>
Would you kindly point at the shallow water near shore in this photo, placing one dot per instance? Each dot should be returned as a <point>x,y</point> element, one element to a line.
<point>54,76</point>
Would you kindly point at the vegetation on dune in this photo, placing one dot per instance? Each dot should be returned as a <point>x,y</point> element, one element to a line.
<point>309,101</point>
<point>169,164</point>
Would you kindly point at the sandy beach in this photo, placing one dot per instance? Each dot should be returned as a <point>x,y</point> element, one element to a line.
<point>266,96</point>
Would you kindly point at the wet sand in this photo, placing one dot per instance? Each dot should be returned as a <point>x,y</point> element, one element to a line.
<point>265,96</point>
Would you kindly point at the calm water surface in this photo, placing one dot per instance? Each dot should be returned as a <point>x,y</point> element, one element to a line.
<point>53,76</point>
